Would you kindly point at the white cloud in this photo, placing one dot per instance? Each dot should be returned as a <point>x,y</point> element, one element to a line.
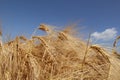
<point>106,35</point>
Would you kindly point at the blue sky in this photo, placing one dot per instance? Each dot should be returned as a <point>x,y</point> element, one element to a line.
<point>23,16</point>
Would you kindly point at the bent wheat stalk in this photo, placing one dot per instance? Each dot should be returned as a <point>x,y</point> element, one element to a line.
<point>115,47</point>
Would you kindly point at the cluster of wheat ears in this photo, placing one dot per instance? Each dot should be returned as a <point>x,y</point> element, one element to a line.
<point>57,56</point>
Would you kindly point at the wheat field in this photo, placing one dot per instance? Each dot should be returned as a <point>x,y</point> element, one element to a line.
<point>58,55</point>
